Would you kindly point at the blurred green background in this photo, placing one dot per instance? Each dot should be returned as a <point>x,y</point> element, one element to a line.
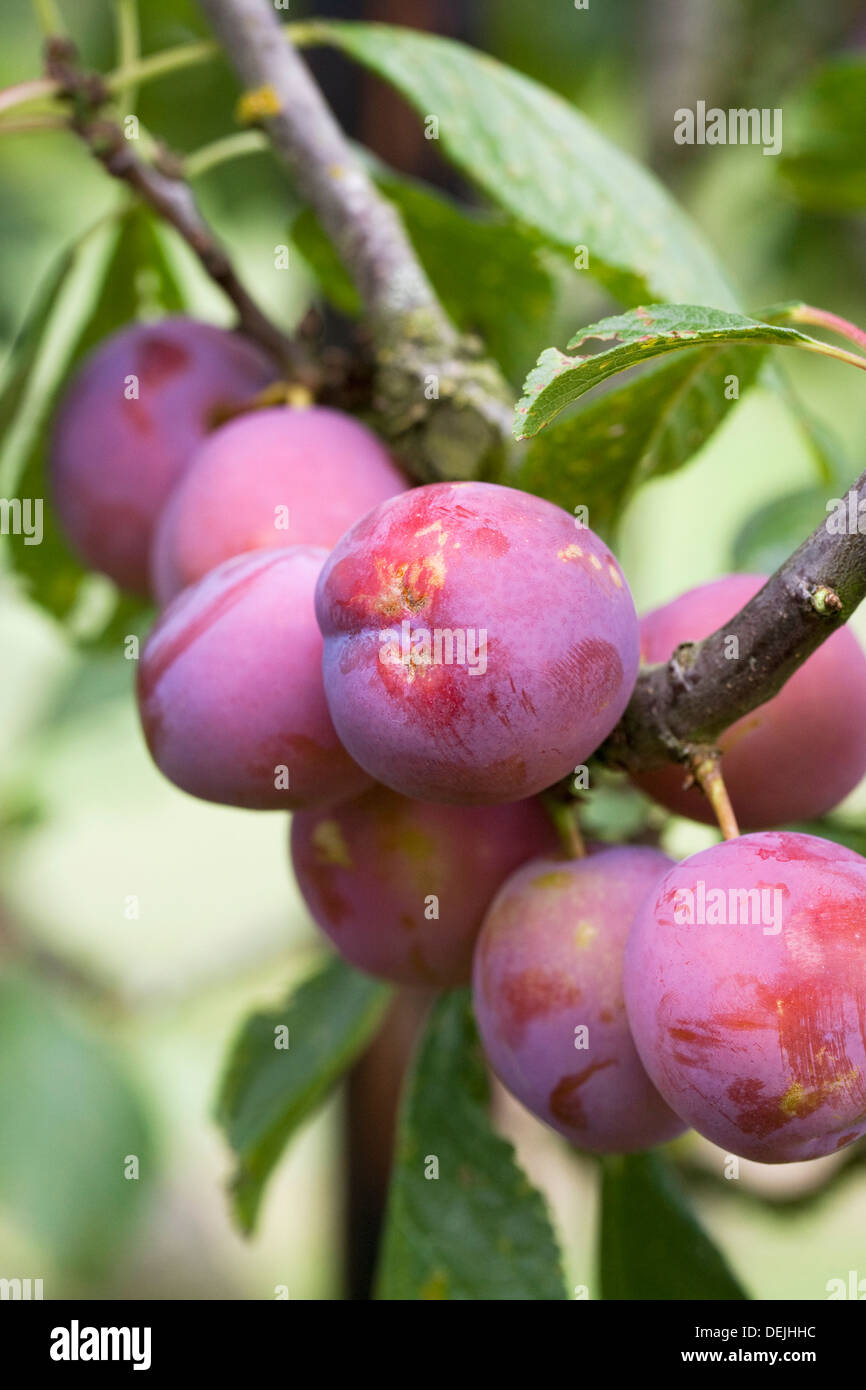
<point>113,1025</point>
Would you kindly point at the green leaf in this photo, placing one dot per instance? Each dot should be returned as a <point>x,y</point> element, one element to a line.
<point>652,1248</point>
<point>486,270</point>
<point>22,358</point>
<point>269,1089</point>
<point>538,158</point>
<point>649,426</point>
<point>479,1231</point>
<point>558,380</point>
<point>775,530</point>
<point>824,160</point>
<point>71,1121</point>
<point>132,276</point>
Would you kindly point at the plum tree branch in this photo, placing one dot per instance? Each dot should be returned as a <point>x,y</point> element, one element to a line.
<point>161,185</point>
<point>444,406</point>
<point>686,703</point>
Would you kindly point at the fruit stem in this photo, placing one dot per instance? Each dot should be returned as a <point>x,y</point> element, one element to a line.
<point>706,769</point>
<point>564,817</point>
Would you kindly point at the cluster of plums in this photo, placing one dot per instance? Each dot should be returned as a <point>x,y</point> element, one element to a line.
<point>406,669</point>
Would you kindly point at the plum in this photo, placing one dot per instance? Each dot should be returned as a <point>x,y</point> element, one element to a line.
<point>745,984</point>
<point>478,644</point>
<point>548,997</point>
<point>128,424</point>
<point>401,886</point>
<point>230,688</point>
<point>270,478</point>
<point>793,758</point>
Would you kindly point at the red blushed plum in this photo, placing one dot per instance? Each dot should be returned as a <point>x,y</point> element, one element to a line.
<point>129,422</point>
<point>271,478</point>
<point>549,1003</point>
<point>791,759</point>
<point>401,886</point>
<point>745,983</point>
<point>478,645</point>
<point>230,688</point>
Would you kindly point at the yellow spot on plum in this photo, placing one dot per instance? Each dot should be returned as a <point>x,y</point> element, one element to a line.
<point>556,878</point>
<point>584,934</point>
<point>799,1101</point>
<point>615,575</point>
<point>595,562</point>
<point>571,552</point>
<point>330,846</point>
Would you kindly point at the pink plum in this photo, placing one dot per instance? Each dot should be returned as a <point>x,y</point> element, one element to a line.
<point>230,688</point>
<point>745,983</point>
<point>270,478</point>
<point>549,1002</point>
<point>793,758</point>
<point>401,886</point>
<point>131,418</point>
<point>478,644</point>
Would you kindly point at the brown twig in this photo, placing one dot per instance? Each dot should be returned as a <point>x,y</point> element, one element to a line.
<point>462,428</point>
<point>706,686</point>
<point>162,187</point>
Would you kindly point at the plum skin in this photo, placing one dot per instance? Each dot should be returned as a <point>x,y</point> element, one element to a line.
<point>327,468</point>
<point>471,558</point>
<point>793,758</point>
<point>114,461</point>
<point>230,688</point>
<point>757,1036</point>
<point>548,961</point>
<point>367,868</point>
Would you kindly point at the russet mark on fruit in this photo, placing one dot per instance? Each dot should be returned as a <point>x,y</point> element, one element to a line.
<point>400,886</point>
<point>230,688</point>
<point>749,1009</point>
<point>477,644</point>
<point>268,479</point>
<point>129,422</point>
<point>795,757</point>
<point>547,987</point>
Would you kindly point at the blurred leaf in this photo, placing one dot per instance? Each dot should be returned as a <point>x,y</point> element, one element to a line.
<point>269,1090</point>
<point>132,278</point>
<point>613,810</point>
<point>774,531</point>
<point>537,157</point>
<point>651,1245</point>
<point>29,341</point>
<point>485,269</point>
<point>479,1230</point>
<point>558,380</point>
<point>826,447</point>
<point>824,159</point>
<point>70,1123</point>
<point>649,426</point>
